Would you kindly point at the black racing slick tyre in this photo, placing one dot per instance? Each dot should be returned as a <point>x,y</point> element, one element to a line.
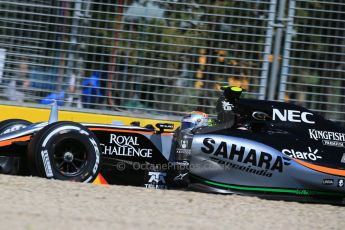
<point>12,125</point>
<point>12,165</point>
<point>65,151</point>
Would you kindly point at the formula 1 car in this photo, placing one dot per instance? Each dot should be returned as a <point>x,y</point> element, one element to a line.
<point>268,149</point>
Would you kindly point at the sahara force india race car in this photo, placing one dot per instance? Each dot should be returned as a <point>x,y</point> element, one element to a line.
<point>278,150</point>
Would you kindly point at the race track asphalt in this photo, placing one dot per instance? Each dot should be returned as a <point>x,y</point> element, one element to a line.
<point>34,203</point>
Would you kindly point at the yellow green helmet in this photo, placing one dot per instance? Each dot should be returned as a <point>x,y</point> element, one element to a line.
<point>232,92</point>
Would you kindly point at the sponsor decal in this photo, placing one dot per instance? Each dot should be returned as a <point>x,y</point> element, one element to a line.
<point>306,155</point>
<point>326,135</point>
<point>46,163</point>
<point>329,138</point>
<point>248,169</point>
<point>333,143</point>
<point>293,116</point>
<point>120,145</point>
<point>157,177</point>
<point>95,167</point>
<point>256,162</point>
<point>165,126</point>
<point>13,129</point>
<point>341,183</point>
<point>156,180</point>
<point>180,176</point>
<point>328,182</point>
<point>184,146</point>
<point>227,106</point>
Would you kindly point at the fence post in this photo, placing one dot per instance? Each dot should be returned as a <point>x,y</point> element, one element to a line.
<point>286,53</point>
<point>277,50</point>
<point>267,51</point>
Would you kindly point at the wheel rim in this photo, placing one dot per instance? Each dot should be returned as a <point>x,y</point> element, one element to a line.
<point>70,157</point>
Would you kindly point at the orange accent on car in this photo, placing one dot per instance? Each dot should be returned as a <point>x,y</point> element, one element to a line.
<point>323,169</point>
<point>11,141</point>
<point>100,180</point>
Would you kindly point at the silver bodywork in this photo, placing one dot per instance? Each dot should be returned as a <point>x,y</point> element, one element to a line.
<point>216,168</point>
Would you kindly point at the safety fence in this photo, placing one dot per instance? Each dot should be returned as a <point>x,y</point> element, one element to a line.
<point>313,64</point>
<point>168,57</point>
<point>161,57</point>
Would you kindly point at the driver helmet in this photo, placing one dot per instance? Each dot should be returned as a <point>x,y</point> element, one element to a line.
<point>194,119</point>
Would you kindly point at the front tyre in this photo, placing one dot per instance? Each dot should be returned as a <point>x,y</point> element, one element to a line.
<point>65,151</point>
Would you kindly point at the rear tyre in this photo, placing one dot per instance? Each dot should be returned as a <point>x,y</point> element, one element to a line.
<point>12,125</point>
<point>65,151</point>
<point>12,165</point>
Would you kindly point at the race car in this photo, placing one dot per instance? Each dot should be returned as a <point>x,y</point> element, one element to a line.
<point>269,149</point>
<point>68,150</point>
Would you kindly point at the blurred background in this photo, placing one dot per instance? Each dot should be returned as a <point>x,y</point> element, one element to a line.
<point>163,58</point>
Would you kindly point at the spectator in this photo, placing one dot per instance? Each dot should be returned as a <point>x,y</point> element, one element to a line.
<point>91,92</point>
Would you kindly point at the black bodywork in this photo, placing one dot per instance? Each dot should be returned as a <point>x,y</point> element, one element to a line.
<point>271,149</point>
